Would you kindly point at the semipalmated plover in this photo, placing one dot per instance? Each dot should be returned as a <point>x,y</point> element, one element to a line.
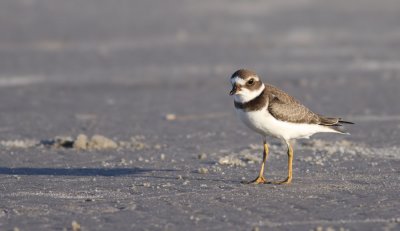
<point>270,111</point>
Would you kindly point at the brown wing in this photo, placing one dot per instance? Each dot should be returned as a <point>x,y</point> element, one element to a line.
<point>286,108</point>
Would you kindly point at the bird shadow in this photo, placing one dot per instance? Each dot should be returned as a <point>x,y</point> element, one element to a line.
<point>78,171</point>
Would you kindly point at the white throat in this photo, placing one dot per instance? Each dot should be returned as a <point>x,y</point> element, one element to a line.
<point>244,95</point>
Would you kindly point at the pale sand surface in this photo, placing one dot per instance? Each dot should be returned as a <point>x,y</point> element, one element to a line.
<point>116,115</point>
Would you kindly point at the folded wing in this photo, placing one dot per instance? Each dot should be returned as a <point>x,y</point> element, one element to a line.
<point>286,108</point>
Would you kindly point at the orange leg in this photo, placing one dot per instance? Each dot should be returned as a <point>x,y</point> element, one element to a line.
<point>261,179</point>
<point>288,180</point>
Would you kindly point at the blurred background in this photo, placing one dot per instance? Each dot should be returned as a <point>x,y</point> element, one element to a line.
<point>172,40</point>
<point>140,60</point>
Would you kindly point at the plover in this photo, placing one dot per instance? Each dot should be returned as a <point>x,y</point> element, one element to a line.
<point>270,111</point>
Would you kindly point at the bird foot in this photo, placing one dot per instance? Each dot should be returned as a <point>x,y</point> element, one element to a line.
<point>286,181</point>
<point>258,180</point>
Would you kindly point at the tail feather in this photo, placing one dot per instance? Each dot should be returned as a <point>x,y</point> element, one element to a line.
<point>345,122</point>
<point>328,121</point>
<point>335,124</point>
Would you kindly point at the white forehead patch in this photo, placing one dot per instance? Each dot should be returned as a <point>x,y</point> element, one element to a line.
<point>241,81</point>
<point>238,80</point>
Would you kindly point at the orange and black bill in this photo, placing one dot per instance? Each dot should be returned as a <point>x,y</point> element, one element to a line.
<point>235,88</point>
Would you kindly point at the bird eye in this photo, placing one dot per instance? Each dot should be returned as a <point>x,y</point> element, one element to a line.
<point>250,82</point>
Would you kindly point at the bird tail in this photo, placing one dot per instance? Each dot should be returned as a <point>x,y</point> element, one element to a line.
<point>336,124</point>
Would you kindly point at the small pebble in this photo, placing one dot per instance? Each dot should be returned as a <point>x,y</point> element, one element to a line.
<point>157,146</point>
<point>146,184</point>
<point>170,117</point>
<point>202,156</point>
<point>75,226</point>
<point>202,170</point>
<point>81,142</point>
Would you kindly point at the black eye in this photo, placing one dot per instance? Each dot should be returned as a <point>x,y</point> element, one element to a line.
<point>250,82</point>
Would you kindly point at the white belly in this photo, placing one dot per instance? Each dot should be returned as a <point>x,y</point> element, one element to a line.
<point>264,123</point>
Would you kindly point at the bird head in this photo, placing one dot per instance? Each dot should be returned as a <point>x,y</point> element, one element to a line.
<point>246,85</point>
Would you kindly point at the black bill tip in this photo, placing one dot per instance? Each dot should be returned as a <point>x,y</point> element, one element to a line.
<point>233,91</point>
